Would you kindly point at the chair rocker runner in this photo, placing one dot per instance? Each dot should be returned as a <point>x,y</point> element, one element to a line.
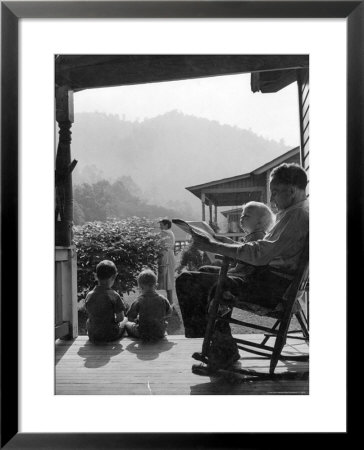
<point>289,306</point>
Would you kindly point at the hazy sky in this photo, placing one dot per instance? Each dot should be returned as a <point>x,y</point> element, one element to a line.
<point>227,99</point>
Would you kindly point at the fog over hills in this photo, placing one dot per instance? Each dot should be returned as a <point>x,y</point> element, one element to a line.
<point>165,154</point>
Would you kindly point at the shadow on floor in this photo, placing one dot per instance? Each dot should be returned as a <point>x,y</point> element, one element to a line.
<point>216,386</point>
<point>149,350</point>
<point>99,355</point>
<point>232,381</point>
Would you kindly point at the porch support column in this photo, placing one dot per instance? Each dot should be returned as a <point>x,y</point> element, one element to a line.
<point>203,206</point>
<point>64,167</point>
<point>267,189</point>
<point>210,210</point>
<point>215,213</point>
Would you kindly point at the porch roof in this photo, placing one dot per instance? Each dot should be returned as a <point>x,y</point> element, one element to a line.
<point>228,212</point>
<point>80,72</point>
<point>242,188</point>
<point>276,161</point>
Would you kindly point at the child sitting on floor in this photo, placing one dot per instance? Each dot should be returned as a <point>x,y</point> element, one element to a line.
<point>147,314</point>
<point>105,308</point>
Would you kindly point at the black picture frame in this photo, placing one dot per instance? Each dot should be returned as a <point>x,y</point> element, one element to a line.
<point>11,12</point>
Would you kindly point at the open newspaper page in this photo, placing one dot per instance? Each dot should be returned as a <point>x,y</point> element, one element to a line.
<point>196,228</point>
<point>199,228</point>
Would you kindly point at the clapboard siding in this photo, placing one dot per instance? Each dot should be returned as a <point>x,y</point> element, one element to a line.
<point>305,89</point>
<point>303,83</point>
<point>306,118</point>
<point>306,137</point>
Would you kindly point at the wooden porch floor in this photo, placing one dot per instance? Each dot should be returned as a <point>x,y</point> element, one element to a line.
<point>131,367</point>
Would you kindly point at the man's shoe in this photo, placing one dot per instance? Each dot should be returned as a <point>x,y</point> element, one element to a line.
<point>200,357</point>
<point>203,370</point>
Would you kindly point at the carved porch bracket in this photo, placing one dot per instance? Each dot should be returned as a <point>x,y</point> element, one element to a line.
<point>64,167</point>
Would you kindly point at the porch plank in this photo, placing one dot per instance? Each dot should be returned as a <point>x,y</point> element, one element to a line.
<point>130,367</point>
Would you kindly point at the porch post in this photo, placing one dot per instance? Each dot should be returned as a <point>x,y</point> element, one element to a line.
<point>64,167</point>
<point>210,210</point>
<point>203,206</point>
<point>66,325</point>
<point>215,213</point>
<point>267,188</point>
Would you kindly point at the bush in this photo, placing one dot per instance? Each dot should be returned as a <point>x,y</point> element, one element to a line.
<point>192,258</point>
<point>131,244</point>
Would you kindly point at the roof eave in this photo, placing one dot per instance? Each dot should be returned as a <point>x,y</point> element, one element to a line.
<point>276,161</point>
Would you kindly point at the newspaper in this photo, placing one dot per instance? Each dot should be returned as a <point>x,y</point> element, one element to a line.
<point>197,228</point>
<point>194,228</point>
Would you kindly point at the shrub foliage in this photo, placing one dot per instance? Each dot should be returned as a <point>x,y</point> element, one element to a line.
<point>131,244</point>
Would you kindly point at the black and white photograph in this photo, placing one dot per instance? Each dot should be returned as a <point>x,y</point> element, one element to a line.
<point>181,224</point>
<point>181,199</point>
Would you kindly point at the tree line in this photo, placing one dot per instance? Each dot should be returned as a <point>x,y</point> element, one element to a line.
<point>104,200</point>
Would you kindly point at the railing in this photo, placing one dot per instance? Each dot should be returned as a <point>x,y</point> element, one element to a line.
<point>180,245</point>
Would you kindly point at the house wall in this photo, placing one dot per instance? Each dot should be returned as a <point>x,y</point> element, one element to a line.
<point>66,319</point>
<point>303,82</point>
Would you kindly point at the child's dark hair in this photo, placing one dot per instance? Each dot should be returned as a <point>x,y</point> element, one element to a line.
<point>166,222</point>
<point>105,270</point>
<point>147,278</point>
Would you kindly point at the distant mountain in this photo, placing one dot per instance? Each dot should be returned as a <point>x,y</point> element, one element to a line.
<point>165,154</point>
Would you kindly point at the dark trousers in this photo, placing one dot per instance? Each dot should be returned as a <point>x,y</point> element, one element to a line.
<point>194,289</point>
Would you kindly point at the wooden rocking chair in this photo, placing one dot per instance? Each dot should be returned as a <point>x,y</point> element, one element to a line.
<point>290,306</point>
